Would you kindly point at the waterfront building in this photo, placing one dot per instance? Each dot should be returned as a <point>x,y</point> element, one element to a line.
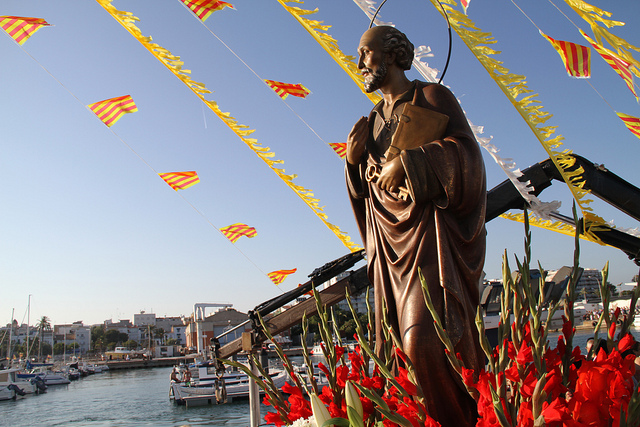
<point>144,319</point>
<point>173,328</point>
<point>179,334</point>
<point>214,325</point>
<point>626,288</point>
<point>125,326</point>
<point>588,285</point>
<point>74,332</point>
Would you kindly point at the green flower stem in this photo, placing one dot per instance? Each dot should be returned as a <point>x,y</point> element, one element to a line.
<point>307,357</point>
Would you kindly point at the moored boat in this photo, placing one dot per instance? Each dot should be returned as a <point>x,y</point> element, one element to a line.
<point>47,375</point>
<point>204,387</point>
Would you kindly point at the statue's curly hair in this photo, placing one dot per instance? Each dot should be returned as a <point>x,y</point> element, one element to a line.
<point>397,42</point>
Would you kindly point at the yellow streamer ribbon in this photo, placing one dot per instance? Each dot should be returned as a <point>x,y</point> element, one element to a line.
<point>559,226</point>
<point>529,108</point>
<point>329,44</point>
<point>173,63</point>
<point>593,15</point>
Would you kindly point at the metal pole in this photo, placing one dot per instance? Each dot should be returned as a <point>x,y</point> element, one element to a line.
<point>10,338</point>
<point>28,320</point>
<point>254,396</point>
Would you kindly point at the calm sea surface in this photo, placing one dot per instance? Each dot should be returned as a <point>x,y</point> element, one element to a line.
<point>138,397</point>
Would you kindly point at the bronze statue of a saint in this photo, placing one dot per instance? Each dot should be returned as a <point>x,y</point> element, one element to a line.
<point>440,227</point>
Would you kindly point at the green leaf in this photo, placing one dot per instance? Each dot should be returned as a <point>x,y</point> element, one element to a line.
<point>354,417</point>
<point>339,422</point>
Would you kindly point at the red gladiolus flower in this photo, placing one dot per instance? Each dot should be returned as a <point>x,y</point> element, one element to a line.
<point>274,418</point>
<point>405,382</point>
<point>525,414</point>
<point>524,355</point>
<point>467,377</point>
<point>567,328</point>
<point>612,329</point>
<point>336,411</point>
<point>555,411</point>
<point>511,350</point>
<point>342,374</point>
<point>356,361</point>
<point>553,387</point>
<point>529,384</point>
<point>339,352</point>
<point>512,373</point>
<point>626,343</point>
<point>324,369</point>
<point>326,396</point>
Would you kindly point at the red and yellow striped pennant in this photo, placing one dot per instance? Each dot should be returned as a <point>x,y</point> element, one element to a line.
<point>340,148</point>
<point>632,123</point>
<point>465,5</point>
<point>180,180</point>
<point>204,8</point>
<point>21,28</point>
<point>576,58</point>
<point>110,110</point>
<point>286,89</point>
<point>278,276</point>
<point>622,67</point>
<point>234,231</point>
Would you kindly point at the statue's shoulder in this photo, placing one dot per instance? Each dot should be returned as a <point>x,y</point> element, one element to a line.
<point>434,94</point>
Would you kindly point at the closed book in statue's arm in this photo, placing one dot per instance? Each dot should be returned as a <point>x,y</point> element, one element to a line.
<point>416,126</point>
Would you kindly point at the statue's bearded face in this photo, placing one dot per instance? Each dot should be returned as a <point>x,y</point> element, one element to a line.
<point>373,78</point>
<point>372,60</point>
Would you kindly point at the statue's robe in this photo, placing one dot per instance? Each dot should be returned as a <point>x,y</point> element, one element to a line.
<point>441,229</point>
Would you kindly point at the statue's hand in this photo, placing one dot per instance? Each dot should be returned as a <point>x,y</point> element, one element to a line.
<point>356,142</point>
<point>392,175</point>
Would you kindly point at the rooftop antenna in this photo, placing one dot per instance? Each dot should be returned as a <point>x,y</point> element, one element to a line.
<point>446,65</point>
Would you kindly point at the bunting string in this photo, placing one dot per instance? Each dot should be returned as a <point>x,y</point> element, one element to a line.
<point>329,44</point>
<point>262,80</point>
<point>88,108</point>
<point>525,102</point>
<point>174,64</point>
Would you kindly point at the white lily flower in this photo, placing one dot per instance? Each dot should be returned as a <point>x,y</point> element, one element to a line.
<point>352,397</point>
<point>320,412</point>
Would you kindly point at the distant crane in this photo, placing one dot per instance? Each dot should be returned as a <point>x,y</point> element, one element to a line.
<point>198,317</point>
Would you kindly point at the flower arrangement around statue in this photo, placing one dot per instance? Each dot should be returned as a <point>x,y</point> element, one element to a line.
<point>526,382</point>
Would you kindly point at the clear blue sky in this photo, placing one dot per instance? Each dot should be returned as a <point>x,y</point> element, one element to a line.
<point>92,233</point>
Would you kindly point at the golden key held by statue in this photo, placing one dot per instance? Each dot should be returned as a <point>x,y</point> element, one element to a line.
<point>373,173</point>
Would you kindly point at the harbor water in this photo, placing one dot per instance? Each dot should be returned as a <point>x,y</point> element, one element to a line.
<point>138,397</point>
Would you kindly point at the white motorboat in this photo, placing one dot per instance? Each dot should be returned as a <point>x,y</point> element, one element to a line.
<point>204,387</point>
<point>46,374</point>
<point>10,387</point>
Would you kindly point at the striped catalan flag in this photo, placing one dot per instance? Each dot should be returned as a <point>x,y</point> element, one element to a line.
<point>110,110</point>
<point>576,58</point>
<point>465,5</point>
<point>278,276</point>
<point>620,66</point>
<point>286,89</point>
<point>21,28</point>
<point>340,148</point>
<point>234,231</point>
<point>180,180</point>
<point>632,123</point>
<point>204,8</point>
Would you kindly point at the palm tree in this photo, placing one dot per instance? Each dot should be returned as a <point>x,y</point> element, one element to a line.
<point>44,324</point>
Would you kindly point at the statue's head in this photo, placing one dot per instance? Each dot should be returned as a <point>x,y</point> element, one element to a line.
<point>377,45</point>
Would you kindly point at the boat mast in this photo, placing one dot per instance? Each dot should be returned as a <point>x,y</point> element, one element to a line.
<point>10,337</point>
<point>28,320</point>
